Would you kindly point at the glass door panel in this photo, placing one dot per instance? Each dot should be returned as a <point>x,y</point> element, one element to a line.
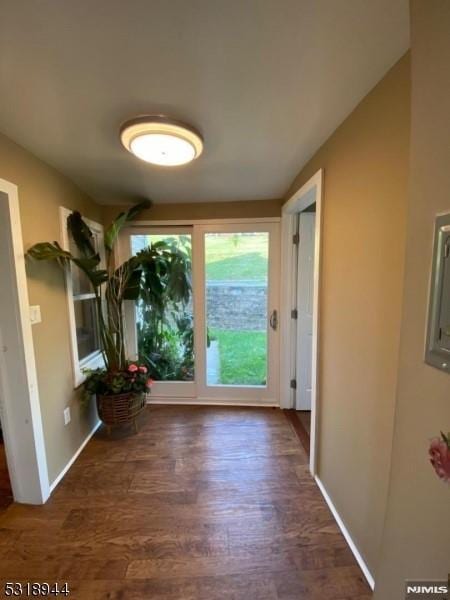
<point>165,325</point>
<point>222,343</point>
<point>159,326</point>
<point>236,307</point>
<point>236,287</point>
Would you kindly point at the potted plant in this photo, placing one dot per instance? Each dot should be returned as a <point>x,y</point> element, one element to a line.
<point>120,387</point>
<point>120,395</point>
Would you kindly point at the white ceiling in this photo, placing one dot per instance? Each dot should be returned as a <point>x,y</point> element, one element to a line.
<point>265,81</point>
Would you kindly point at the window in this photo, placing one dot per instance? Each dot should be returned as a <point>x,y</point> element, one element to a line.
<point>85,341</point>
<point>437,351</point>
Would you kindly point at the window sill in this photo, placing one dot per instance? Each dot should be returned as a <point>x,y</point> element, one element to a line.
<point>91,362</point>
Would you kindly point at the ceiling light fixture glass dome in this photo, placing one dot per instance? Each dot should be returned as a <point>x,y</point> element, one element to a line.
<point>161,141</point>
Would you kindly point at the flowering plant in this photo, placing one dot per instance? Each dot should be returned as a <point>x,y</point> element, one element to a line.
<point>103,382</point>
<point>440,456</point>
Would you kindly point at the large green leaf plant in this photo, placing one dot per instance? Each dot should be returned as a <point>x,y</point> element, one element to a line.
<point>160,270</point>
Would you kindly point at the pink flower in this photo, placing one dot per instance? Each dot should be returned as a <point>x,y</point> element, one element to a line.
<point>149,382</point>
<point>143,369</point>
<point>132,368</point>
<point>440,458</point>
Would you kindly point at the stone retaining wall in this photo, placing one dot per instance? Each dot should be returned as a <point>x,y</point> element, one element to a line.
<point>239,305</point>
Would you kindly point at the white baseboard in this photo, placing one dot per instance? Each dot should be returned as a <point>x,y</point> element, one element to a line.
<point>211,402</point>
<point>74,457</point>
<point>346,534</point>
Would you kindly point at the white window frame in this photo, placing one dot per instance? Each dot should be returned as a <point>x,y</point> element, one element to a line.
<point>94,360</point>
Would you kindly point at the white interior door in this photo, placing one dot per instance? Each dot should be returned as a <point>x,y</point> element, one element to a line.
<point>305,288</point>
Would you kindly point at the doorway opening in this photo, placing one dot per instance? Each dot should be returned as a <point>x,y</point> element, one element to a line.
<point>20,413</point>
<point>304,285</point>
<point>301,234</point>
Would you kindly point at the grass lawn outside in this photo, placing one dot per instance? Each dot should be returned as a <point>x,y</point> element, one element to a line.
<point>243,358</point>
<point>236,256</point>
<point>228,256</point>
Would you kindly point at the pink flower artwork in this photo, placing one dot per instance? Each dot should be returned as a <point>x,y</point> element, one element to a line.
<point>133,368</point>
<point>440,457</point>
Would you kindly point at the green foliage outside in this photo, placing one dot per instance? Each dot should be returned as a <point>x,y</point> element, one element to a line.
<point>164,324</point>
<point>165,328</point>
<point>166,344</point>
<point>242,356</point>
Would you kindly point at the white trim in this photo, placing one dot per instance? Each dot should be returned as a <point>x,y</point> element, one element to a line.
<point>307,195</point>
<point>74,457</point>
<point>211,401</point>
<point>174,389</point>
<point>176,222</point>
<point>345,532</point>
<point>88,296</point>
<point>21,411</point>
<point>95,359</point>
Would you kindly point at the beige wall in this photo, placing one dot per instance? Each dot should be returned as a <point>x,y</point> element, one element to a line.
<point>365,166</point>
<point>205,210</point>
<point>41,191</point>
<point>416,542</point>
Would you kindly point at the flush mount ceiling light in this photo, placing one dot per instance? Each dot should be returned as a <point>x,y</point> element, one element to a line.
<point>161,141</point>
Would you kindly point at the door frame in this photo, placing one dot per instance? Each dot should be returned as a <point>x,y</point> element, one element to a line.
<point>21,411</point>
<point>197,276</point>
<point>309,193</point>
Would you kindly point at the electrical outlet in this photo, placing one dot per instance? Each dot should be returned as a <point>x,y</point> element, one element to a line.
<point>67,415</point>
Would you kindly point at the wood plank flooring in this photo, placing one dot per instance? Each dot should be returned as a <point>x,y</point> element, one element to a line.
<point>302,427</point>
<point>5,485</point>
<point>204,503</point>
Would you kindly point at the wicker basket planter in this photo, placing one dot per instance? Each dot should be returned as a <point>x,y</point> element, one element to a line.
<point>120,409</point>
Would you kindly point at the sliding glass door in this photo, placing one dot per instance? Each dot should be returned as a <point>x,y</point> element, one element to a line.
<point>221,341</point>
<point>238,312</point>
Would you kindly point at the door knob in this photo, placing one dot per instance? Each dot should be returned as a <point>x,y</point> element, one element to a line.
<point>274,320</point>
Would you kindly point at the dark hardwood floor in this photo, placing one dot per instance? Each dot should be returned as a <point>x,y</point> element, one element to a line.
<point>204,503</point>
<point>5,486</point>
<point>301,422</point>
<point>304,416</point>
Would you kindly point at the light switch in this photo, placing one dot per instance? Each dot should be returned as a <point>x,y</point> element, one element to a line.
<point>35,314</point>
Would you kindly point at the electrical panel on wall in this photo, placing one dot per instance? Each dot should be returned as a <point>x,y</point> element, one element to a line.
<point>437,352</point>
